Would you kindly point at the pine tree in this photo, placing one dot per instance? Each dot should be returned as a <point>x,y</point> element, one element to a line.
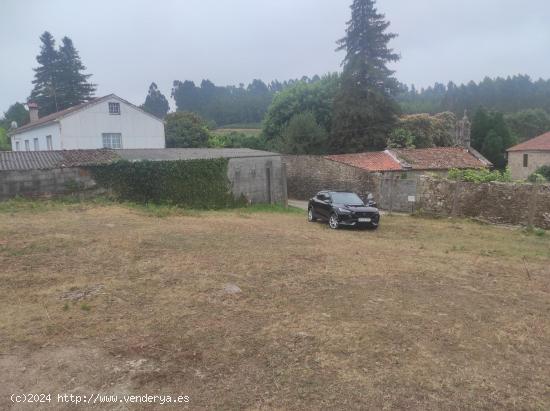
<point>46,76</point>
<point>365,110</point>
<point>58,81</point>
<point>155,102</point>
<point>73,85</point>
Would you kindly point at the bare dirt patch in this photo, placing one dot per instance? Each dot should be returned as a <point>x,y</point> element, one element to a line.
<point>266,311</point>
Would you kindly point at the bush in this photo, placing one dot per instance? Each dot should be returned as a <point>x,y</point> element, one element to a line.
<point>237,140</point>
<point>193,183</point>
<point>479,176</point>
<point>537,178</point>
<point>186,130</point>
<point>544,171</point>
<point>303,135</point>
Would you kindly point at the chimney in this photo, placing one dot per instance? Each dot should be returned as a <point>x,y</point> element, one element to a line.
<point>33,111</point>
<point>463,132</point>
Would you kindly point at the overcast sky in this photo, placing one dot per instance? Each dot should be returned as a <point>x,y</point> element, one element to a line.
<point>127,44</point>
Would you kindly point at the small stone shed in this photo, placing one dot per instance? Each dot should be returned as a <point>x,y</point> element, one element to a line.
<point>258,175</point>
<point>525,158</point>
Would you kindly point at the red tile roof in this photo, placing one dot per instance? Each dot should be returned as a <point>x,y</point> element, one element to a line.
<point>540,143</point>
<point>371,161</point>
<point>439,158</point>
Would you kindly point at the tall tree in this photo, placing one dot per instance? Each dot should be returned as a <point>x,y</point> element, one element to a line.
<point>59,81</point>
<point>46,76</point>
<point>365,110</point>
<point>74,87</point>
<point>155,102</point>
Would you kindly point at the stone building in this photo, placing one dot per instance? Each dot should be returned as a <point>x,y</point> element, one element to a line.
<point>525,158</point>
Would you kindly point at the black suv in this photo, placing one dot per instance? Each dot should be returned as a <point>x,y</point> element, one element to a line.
<point>342,208</point>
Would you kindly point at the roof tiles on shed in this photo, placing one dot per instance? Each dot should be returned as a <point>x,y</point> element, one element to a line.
<point>370,161</point>
<point>540,143</point>
<point>42,160</point>
<point>439,158</point>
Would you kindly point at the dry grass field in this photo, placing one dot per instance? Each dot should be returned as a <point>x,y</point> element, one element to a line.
<point>419,315</point>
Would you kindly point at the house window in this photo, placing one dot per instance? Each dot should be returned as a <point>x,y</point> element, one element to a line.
<point>17,146</point>
<point>27,145</point>
<point>114,108</point>
<point>112,140</point>
<point>36,145</point>
<point>49,143</point>
<point>526,160</point>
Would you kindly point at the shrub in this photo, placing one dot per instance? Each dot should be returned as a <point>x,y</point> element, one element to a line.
<point>537,178</point>
<point>479,176</point>
<point>193,183</point>
<point>186,130</point>
<point>544,171</point>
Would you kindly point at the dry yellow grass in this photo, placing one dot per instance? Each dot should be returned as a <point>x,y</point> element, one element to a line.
<point>421,314</point>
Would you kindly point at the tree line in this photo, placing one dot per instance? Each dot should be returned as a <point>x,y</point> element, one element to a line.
<point>506,95</point>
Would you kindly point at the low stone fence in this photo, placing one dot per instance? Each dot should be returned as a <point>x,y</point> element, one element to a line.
<point>501,203</point>
<point>44,183</point>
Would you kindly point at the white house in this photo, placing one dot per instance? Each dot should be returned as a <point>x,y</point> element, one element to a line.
<point>105,122</point>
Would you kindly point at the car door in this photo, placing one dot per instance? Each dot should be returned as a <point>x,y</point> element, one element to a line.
<point>323,205</point>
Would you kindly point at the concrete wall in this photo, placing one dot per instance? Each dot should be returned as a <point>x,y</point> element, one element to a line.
<point>43,183</point>
<point>502,203</point>
<point>535,160</point>
<point>259,179</point>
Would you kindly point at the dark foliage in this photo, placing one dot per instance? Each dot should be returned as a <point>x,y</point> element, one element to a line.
<point>231,104</point>
<point>58,80</point>
<point>491,136</point>
<point>186,130</point>
<point>364,109</point>
<point>16,112</point>
<point>155,102</point>
<point>201,184</point>
<point>507,95</point>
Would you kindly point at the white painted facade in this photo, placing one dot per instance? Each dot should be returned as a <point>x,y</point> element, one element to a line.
<point>87,127</point>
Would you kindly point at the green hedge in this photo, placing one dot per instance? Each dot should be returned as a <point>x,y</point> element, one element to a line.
<point>188,183</point>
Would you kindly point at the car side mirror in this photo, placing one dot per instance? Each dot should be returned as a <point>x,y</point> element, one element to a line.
<point>370,197</point>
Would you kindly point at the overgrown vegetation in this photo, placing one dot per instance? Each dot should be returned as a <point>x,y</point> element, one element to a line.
<point>541,176</point>
<point>201,184</point>
<point>480,176</point>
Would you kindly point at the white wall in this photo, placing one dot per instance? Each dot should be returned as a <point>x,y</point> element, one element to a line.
<point>40,133</point>
<point>83,130</point>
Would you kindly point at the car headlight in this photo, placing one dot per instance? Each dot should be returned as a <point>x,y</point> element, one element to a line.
<point>343,211</point>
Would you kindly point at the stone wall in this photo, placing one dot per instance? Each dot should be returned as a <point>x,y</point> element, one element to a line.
<point>44,183</point>
<point>307,175</point>
<point>501,203</point>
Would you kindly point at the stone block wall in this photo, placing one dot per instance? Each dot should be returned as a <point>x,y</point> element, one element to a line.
<point>44,183</point>
<point>501,203</point>
<point>307,175</point>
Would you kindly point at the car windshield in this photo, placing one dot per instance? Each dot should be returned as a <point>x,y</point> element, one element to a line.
<point>346,198</point>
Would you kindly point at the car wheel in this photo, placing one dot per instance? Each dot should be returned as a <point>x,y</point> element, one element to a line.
<point>333,222</point>
<point>311,216</point>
